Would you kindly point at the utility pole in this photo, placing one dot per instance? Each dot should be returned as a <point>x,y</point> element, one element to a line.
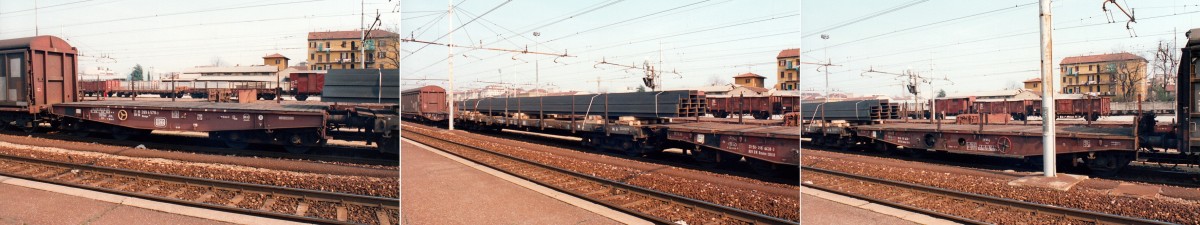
<point>1048,113</point>
<point>450,57</point>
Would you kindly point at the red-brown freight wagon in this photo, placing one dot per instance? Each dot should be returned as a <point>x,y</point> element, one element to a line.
<point>35,72</point>
<point>424,103</point>
<point>757,106</point>
<point>306,84</point>
<point>1077,105</point>
<point>99,87</point>
<point>1018,109</point>
<point>954,106</point>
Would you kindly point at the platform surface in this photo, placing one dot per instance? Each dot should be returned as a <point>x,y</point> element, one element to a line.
<point>22,205</point>
<point>301,107</point>
<point>438,190</point>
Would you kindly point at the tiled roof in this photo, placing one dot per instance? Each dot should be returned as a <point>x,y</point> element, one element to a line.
<point>1036,79</point>
<point>791,52</point>
<point>232,69</point>
<point>744,75</point>
<point>1101,58</point>
<point>351,34</point>
<point>276,55</point>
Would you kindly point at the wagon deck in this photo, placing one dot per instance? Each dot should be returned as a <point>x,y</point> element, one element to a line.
<point>197,116</point>
<point>998,140</point>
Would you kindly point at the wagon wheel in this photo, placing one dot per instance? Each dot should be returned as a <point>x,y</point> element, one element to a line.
<point>294,144</point>
<point>29,127</point>
<point>301,97</point>
<point>706,156</point>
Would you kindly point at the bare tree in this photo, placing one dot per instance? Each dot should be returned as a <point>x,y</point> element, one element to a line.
<point>1130,77</point>
<point>388,53</point>
<point>216,61</point>
<point>715,80</point>
<point>1166,65</point>
<point>1014,85</point>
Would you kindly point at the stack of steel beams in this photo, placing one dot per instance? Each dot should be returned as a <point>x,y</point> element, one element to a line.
<point>362,86</point>
<point>659,104</point>
<point>855,110</point>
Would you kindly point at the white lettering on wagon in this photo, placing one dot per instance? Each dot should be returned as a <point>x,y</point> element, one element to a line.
<point>287,118</point>
<point>102,113</point>
<point>144,113</point>
<point>761,150</point>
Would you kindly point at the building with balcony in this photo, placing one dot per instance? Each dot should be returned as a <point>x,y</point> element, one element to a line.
<point>344,50</point>
<point>1116,75</point>
<point>789,69</point>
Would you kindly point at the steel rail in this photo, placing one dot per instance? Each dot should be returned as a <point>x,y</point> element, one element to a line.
<point>267,190</point>
<point>749,216</point>
<point>1096,217</point>
<point>201,148</point>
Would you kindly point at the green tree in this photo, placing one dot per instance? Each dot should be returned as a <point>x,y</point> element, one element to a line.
<point>941,93</point>
<point>641,89</point>
<point>136,75</point>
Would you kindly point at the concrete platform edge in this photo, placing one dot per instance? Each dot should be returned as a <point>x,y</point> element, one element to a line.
<point>144,203</point>
<point>564,197</point>
<point>881,209</point>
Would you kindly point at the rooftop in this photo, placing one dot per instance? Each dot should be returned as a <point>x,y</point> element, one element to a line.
<point>232,69</point>
<point>350,34</point>
<point>791,52</point>
<point>1036,79</point>
<point>745,75</point>
<point>1123,56</point>
<point>276,55</point>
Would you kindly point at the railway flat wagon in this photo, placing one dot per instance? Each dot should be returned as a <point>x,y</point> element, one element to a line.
<point>426,103</point>
<point>765,147</point>
<point>295,126</point>
<point>1104,150</point>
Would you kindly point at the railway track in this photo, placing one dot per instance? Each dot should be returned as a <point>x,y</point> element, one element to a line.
<point>328,153</point>
<point>1136,172</point>
<point>300,205</point>
<point>953,205</point>
<point>676,160</point>
<point>660,207</point>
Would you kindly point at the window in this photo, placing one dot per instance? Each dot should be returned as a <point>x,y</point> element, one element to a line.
<point>747,80</point>
<point>343,44</point>
<point>351,66</point>
<point>276,61</point>
<point>780,74</point>
<point>327,45</point>
<point>382,55</point>
<point>1076,68</point>
<point>780,62</point>
<point>1035,85</point>
<point>312,56</point>
<point>320,58</point>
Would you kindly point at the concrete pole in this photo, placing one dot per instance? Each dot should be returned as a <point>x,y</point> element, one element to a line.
<point>1048,113</point>
<point>450,59</point>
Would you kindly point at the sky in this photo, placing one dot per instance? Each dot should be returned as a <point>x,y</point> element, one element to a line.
<point>976,45</point>
<point>695,40</point>
<point>173,35</point>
